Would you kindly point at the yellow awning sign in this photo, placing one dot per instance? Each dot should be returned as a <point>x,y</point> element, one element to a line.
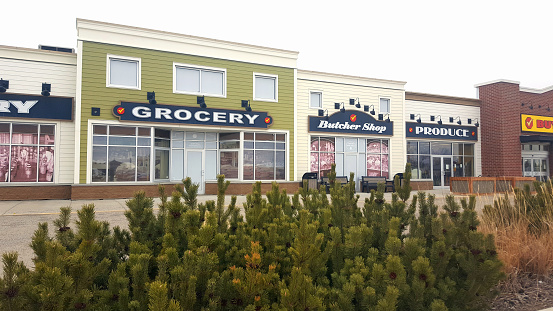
<point>531,123</point>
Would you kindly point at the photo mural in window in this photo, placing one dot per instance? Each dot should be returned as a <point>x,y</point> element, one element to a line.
<point>377,158</point>
<point>322,155</point>
<point>23,156</point>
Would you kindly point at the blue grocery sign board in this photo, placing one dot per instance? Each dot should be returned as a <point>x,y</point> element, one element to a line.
<point>127,111</point>
<point>437,131</point>
<point>350,122</point>
<point>36,107</point>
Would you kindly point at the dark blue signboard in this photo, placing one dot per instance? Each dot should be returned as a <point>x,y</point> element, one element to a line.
<point>36,107</point>
<point>437,131</point>
<point>350,122</point>
<point>126,111</point>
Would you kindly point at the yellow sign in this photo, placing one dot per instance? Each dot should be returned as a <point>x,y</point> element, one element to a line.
<point>540,124</point>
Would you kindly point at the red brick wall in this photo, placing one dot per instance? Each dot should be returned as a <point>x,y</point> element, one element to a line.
<point>501,128</point>
<point>246,188</point>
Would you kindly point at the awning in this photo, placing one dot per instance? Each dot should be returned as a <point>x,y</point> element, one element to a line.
<point>536,138</point>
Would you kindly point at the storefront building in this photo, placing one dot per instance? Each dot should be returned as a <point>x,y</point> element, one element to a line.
<point>37,90</point>
<point>517,130</point>
<point>355,122</point>
<point>155,107</point>
<point>443,139</point>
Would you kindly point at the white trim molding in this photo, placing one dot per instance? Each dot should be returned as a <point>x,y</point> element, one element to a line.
<point>94,31</point>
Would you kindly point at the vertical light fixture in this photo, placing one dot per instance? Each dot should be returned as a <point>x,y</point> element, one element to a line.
<point>151,97</point>
<point>46,89</point>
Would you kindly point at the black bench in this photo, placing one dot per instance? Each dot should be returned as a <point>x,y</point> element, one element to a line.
<point>342,180</point>
<point>371,182</point>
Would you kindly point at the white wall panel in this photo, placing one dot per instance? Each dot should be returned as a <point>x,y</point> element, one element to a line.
<point>339,88</point>
<point>27,69</point>
<point>427,109</point>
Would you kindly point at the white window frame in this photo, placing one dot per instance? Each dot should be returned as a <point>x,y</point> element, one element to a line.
<point>265,75</point>
<point>389,105</point>
<point>311,104</point>
<point>125,58</point>
<point>201,68</point>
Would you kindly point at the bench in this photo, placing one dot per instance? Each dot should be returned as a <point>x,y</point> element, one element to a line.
<point>371,182</point>
<point>342,180</point>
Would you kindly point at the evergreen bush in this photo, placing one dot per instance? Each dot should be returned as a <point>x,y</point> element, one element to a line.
<point>304,252</point>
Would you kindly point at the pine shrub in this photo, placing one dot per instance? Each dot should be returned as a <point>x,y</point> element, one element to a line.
<point>304,252</point>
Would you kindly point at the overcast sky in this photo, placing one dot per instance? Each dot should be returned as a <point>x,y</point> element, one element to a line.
<point>439,47</point>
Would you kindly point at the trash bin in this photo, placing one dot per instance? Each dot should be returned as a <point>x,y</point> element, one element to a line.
<point>312,180</point>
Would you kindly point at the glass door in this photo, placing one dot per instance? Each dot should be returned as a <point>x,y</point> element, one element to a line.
<point>195,168</point>
<point>441,171</point>
<point>536,167</point>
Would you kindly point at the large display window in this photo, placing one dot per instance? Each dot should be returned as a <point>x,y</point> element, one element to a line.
<point>361,156</point>
<point>121,153</point>
<point>133,153</point>
<point>264,156</point>
<point>27,152</point>
<point>429,158</point>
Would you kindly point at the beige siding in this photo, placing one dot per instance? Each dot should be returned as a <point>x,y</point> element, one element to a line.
<point>337,88</point>
<point>427,109</point>
<point>26,76</point>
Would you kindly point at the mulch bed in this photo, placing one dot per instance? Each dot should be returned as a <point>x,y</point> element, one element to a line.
<point>526,292</point>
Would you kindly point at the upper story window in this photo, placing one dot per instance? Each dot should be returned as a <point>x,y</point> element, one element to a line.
<point>384,105</point>
<point>265,87</point>
<point>123,72</point>
<point>189,79</point>
<point>315,100</point>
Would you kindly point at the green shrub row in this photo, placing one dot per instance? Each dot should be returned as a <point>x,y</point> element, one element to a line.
<point>305,252</point>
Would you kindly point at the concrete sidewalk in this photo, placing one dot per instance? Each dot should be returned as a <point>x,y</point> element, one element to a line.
<point>46,207</point>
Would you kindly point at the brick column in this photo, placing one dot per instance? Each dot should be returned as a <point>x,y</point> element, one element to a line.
<point>500,129</point>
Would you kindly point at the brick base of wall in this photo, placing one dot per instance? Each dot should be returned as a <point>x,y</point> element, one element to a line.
<point>246,187</point>
<point>421,185</point>
<point>78,192</point>
<point>92,192</point>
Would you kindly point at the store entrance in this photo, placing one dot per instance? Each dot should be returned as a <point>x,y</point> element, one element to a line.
<point>536,167</point>
<point>195,168</point>
<point>441,171</point>
<point>535,160</point>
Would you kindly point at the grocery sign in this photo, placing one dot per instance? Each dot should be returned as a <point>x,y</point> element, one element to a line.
<point>36,107</point>
<point>437,131</point>
<point>127,111</point>
<point>350,122</point>
<point>541,124</point>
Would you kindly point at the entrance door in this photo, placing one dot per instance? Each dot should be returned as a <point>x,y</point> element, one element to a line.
<point>350,165</point>
<point>195,168</point>
<point>535,167</point>
<point>441,171</point>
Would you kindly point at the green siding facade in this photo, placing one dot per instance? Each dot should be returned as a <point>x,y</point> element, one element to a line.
<point>157,75</point>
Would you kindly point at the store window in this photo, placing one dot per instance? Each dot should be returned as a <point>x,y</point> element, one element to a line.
<point>359,155</point>
<point>264,156</point>
<point>123,72</point>
<point>420,154</point>
<point>27,152</point>
<point>265,87</point>
<point>316,100</point>
<point>229,147</point>
<point>378,157</point>
<point>121,153</point>
<point>322,154</point>
<point>384,105</point>
<point>196,80</point>
<point>162,143</point>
